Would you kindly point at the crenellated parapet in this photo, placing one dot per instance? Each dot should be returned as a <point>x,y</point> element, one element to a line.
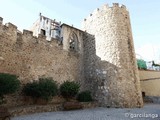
<point>8,29</point>
<point>27,38</point>
<point>27,33</point>
<point>106,8</point>
<point>11,26</point>
<point>15,36</point>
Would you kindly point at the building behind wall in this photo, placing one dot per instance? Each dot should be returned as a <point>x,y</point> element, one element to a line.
<point>47,27</point>
<point>101,58</point>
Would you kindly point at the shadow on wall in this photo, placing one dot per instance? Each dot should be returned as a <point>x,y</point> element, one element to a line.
<point>106,80</point>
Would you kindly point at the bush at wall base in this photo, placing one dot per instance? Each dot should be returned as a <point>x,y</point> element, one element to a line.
<point>45,89</point>
<point>69,89</point>
<point>8,84</point>
<point>84,96</point>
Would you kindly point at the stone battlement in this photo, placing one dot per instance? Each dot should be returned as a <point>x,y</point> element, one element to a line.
<point>106,7</point>
<point>10,30</point>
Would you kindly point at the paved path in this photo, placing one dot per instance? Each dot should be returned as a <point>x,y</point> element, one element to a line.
<point>148,112</point>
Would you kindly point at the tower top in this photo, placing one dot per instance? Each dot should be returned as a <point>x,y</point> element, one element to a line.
<point>106,7</point>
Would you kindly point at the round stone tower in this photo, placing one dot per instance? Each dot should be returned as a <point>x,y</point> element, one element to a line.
<point>109,58</point>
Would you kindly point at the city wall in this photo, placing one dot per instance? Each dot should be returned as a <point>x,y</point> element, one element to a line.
<point>30,57</point>
<point>103,60</point>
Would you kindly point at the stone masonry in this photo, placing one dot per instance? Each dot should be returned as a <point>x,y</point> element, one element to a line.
<point>101,58</point>
<point>30,57</point>
<point>110,63</point>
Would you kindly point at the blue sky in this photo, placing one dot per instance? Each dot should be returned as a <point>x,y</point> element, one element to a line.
<point>144,14</point>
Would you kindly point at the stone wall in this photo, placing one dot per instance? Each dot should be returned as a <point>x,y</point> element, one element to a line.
<point>101,59</point>
<point>111,64</point>
<point>30,57</point>
<point>150,82</point>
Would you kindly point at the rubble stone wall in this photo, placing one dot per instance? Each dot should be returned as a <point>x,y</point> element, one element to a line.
<point>111,62</point>
<point>30,57</point>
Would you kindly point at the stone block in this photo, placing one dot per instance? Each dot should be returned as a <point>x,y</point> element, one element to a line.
<point>72,105</point>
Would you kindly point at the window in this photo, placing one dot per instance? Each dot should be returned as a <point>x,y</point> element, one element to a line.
<point>43,32</point>
<point>73,42</point>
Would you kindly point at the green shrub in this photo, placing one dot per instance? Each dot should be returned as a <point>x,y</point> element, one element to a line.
<point>84,96</point>
<point>45,88</point>
<point>8,84</point>
<point>32,89</point>
<point>69,89</point>
<point>141,64</point>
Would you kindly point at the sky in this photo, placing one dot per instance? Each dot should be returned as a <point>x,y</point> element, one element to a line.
<point>144,15</point>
